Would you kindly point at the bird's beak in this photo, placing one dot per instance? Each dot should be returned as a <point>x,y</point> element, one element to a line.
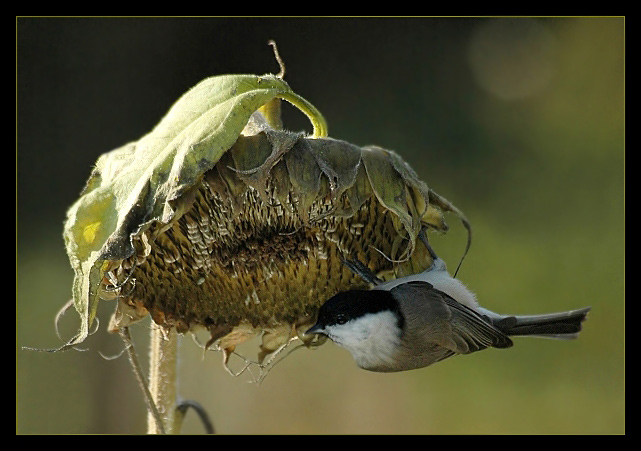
<point>315,329</point>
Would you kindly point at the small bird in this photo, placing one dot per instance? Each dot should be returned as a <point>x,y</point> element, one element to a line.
<point>418,320</point>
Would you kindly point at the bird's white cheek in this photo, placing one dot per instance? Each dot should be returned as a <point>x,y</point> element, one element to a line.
<point>372,340</point>
<point>348,335</point>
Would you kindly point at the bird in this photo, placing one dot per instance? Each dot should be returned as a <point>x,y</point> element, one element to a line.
<point>415,321</point>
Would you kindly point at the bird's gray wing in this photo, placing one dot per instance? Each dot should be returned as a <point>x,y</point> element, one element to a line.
<point>442,320</point>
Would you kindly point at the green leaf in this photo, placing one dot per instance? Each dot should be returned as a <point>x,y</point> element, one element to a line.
<point>143,182</point>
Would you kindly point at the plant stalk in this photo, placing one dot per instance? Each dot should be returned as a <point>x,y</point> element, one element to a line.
<point>162,377</point>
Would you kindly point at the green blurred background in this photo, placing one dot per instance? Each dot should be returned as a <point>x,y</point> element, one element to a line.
<point>519,122</point>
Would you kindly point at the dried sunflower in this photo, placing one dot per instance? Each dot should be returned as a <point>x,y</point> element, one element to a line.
<point>219,218</point>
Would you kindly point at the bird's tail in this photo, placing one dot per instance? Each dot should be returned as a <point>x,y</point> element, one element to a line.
<point>564,325</point>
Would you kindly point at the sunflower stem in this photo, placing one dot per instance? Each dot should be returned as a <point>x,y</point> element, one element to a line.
<point>162,378</point>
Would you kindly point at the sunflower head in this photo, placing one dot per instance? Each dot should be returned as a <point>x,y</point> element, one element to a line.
<point>220,219</point>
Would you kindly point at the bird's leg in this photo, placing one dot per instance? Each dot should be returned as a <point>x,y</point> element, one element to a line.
<point>437,263</point>
<point>423,236</point>
<point>360,269</point>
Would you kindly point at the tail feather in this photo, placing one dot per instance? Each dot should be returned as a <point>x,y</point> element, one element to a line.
<point>564,325</point>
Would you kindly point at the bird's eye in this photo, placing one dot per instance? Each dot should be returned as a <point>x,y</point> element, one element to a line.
<point>341,319</point>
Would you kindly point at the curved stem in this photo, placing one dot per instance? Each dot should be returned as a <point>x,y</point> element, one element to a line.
<point>181,410</point>
<point>162,378</point>
<point>314,116</point>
